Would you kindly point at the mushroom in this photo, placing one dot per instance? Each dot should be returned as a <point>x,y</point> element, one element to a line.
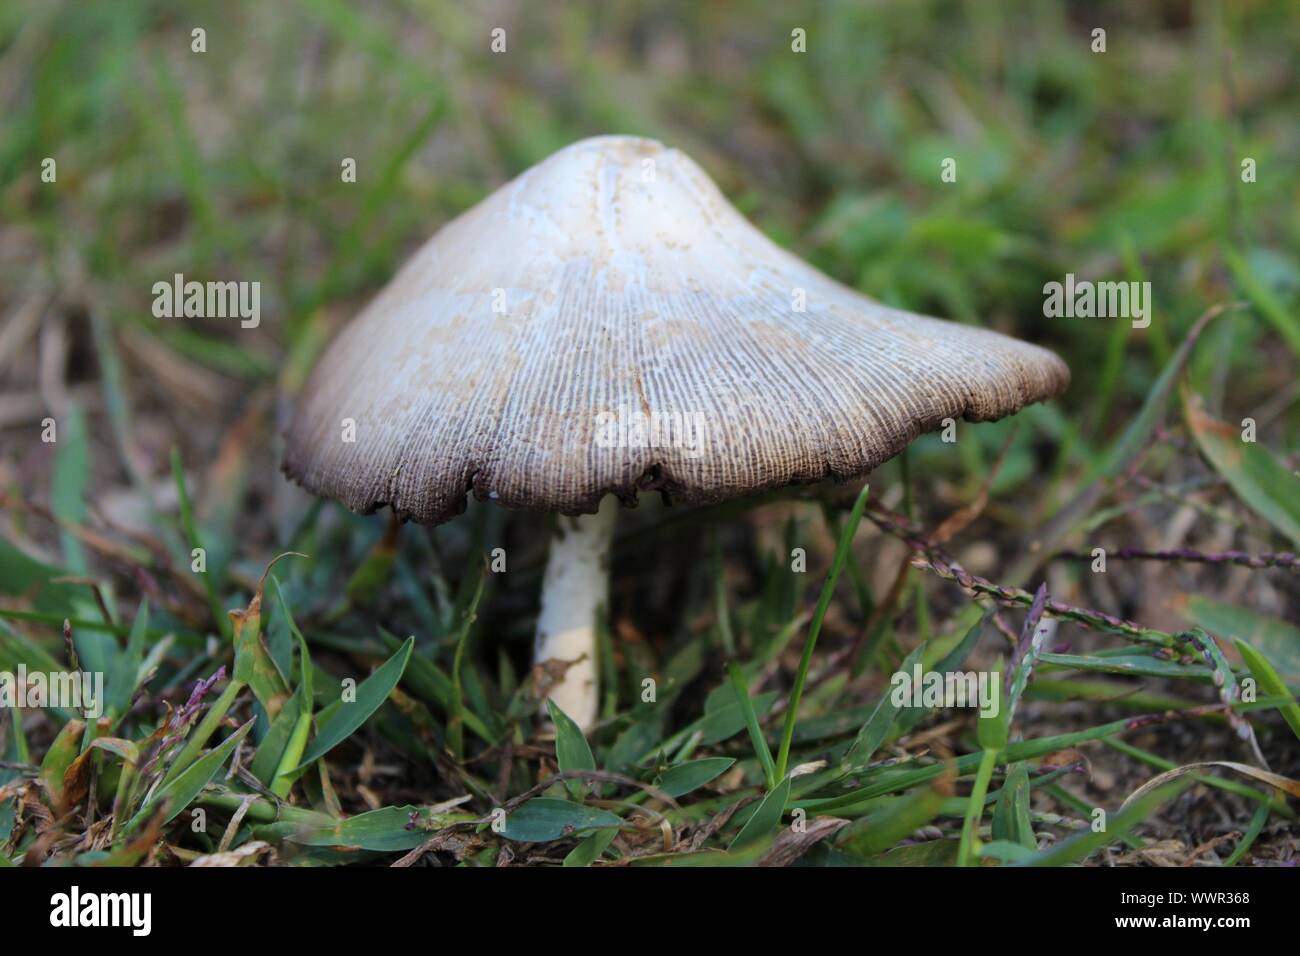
<point>606,324</point>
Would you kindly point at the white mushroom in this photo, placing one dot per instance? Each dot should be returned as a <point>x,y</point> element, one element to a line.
<point>606,324</point>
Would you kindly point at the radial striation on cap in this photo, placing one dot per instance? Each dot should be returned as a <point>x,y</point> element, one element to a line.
<point>609,323</point>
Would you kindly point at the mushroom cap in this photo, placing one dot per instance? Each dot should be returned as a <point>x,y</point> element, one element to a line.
<point>608,323</point>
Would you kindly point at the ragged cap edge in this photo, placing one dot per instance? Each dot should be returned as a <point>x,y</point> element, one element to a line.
<point>1052,380</point>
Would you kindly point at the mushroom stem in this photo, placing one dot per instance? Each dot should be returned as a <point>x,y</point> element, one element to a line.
<point>575,584</point>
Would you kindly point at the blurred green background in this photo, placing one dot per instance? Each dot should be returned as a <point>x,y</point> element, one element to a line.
<point>1123,164</point>
<point>226,164</point>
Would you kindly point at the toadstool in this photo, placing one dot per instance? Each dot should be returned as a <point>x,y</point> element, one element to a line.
<point>606,324</point>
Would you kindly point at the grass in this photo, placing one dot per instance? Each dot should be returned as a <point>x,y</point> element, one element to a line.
<point>370,700</point>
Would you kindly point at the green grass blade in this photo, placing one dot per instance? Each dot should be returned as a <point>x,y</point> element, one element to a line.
<point>572,752</point>
<point>193,539</point>
<point>766,817</point>
<point>828,591</point>
<point>456,709</point>
<point>1011,820</point>
<point>1250,836</point>
<point>345,717</point>
<point>746,705</point>
<point>682,779</point>
<point>1082,845</point>
<point>544,819</point>
<point>187,785</point>
<point>1270,683</point>
<point>1263,299</point>
<point>68,487</point>
<point>1266,485</point>
<point>970,841</point>
<point>204,731</point>
<point>283,779</point>
<point>877,728</point>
